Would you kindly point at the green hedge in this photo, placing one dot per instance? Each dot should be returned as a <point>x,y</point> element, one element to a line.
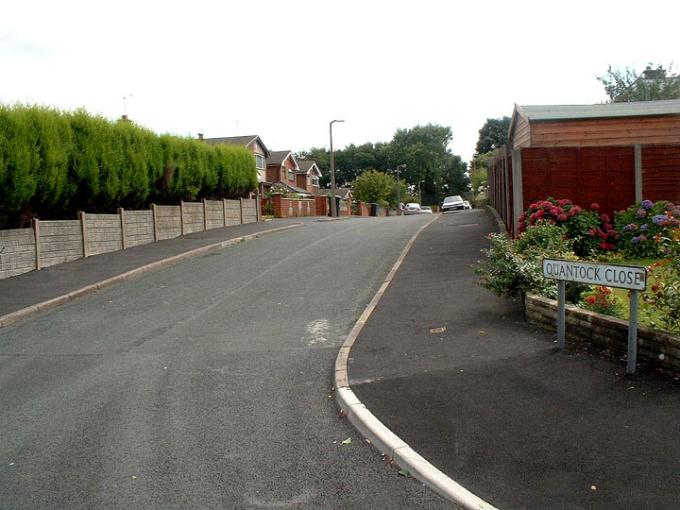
<point>54,163</point>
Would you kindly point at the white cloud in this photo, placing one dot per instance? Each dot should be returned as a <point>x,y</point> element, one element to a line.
<point>285,69</point>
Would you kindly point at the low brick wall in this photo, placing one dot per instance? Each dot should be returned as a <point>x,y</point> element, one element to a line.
<point>17,252</point>
<point>363,209</point>
<point>293,207</point>
<point>103,233</point>
<point>655,347</point>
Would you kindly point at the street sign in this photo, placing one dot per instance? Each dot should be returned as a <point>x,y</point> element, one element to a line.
<point>633,278</point>
<point>623,277</point>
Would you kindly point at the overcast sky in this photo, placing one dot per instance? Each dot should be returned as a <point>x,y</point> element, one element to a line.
<point>284,69</point>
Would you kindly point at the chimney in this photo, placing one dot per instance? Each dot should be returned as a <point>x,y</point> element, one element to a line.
<point>200,136</point>
<point>124,118</point>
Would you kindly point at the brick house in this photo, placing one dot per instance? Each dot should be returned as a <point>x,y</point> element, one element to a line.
<point>282,169</point>
<point>307,176</point>
<point>255,144</point>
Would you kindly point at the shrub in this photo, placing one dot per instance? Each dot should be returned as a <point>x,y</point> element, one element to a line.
<point>601,299</point>
<point>590,231</point>
<point>641,225</point>
<point>54,163</point>
<point>663,298</point>
<point>509,274</point>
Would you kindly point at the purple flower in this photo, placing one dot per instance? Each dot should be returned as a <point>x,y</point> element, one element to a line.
<point>670,206</point>
<point>641,213</point>
<point>647,204</point>
<point>644,227</point>
<point>631,227</point>
<point>659,219</point>
<point>635,240</point>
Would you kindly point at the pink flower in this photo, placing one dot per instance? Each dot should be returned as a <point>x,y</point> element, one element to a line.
<point>562,217</point>
<point>594,207</point>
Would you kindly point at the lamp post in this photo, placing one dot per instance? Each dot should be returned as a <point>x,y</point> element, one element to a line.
<point>399,167</point>
<point>333,205</point>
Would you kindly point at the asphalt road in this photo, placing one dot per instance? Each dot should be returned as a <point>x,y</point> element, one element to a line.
<point>205,385</point>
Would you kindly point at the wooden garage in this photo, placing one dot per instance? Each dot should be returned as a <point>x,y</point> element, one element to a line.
<point>613,154</point>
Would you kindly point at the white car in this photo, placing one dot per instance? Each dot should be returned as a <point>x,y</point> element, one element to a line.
<point>426,210</point>
<point>412,208</point>
<point>453,203</point>
<point>467,204</point>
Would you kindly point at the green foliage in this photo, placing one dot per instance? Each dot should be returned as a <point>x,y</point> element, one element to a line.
<point>508,273</point>
<point>375,187</point>
<point>627,85</point>
<point>494,134</point>
<point>662,299</point>
<point>544,239</point>
<point>602,299</point>
<point>642,225</point>
<point>54,163</point>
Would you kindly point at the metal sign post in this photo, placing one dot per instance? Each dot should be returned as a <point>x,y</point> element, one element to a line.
<point>633,278</point>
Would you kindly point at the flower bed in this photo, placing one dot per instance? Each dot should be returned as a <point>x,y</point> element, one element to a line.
<point>558,228</point>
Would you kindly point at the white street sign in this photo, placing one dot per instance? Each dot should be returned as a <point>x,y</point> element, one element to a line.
<point>624,277</point>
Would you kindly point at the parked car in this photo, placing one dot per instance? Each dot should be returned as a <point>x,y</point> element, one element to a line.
<point>467,204</point>
<point>426,210</point>
<point>453,203</point>
<point>412,208</point>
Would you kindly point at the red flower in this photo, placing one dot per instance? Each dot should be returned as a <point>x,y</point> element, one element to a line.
<point>562,217</point>
<point>594,207</point>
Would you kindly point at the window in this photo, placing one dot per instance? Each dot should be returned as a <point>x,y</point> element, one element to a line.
<point>315,181</point>
<point>291,175</point>
<point>259,161</point>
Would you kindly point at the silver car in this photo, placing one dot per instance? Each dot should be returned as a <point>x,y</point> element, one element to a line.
<point>453,203</point>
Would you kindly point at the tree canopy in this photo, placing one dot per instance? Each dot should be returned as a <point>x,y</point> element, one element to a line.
<point>652,84</point>
<point>431,168</point>
<point>494,134</point>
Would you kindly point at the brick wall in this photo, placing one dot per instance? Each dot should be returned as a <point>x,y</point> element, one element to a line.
<point>60,241</point>
<point>103,233</point>
<point>363,209</point>
<point>606,332</point>
<point>290,207</point>
<point>17,252</point>
<point>138,228</point>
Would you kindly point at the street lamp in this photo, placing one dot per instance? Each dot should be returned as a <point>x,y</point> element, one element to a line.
<point>333,205</point>
<point>399,167</point>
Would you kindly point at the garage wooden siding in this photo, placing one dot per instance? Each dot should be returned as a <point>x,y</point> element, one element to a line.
<point>602,132</point>
<point>605,175</point>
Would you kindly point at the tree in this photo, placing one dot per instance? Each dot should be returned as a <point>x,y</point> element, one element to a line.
<point>424,150</point>
<point>627,85</point>
<point>494,134</point>
<point>375,187</point>
<point>455,178</point>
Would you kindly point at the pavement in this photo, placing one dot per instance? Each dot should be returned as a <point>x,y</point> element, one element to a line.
<point>203,384</point>
<point>48,285</point>
<point>459,376</point>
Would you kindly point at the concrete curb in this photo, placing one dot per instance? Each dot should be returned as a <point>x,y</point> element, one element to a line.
<point>499,221</point>
<point>372,428</point>
<point>10,318</point>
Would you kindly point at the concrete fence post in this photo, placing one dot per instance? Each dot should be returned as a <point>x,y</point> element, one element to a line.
<point>36,234</point>
<point>121,213</point>
<point>258,205</point>
<point>83,230</point>
<point>240,201</point>
<point>154,217</point>
<point>181,217</point>
<point>205,215</point>
<point>224,212</point>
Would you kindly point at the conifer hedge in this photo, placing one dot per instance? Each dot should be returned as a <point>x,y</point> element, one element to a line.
<point>55,163</point>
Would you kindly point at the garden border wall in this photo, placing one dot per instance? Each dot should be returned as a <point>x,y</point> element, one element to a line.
<point>655,347</point>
